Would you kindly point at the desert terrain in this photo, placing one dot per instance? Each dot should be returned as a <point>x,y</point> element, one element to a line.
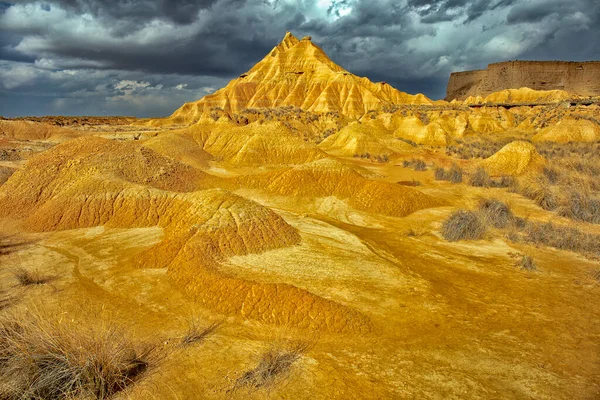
<point>305,233</point>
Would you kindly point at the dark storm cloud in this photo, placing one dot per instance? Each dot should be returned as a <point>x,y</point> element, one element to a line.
<point>432,11</point>
<point>142,56</point>
<point>536,11</point>
<point>178,11</point>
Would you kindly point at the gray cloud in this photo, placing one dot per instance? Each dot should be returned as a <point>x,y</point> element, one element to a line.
<point>537,10</point>
<point>68,56</point>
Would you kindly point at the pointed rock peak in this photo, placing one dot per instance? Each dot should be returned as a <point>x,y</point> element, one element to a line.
<point>288,41</point>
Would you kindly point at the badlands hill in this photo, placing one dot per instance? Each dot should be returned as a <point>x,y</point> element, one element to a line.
<point>297,73</point>
<point>304,233</point>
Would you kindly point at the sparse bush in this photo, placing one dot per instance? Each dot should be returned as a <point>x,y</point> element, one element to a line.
<point>420,165</point>
<point>46,359</point>
<point>439,174</point>
<point>30,277</point>
<point>413,144</point>
<point>541,193</point>
<point>496,213</point>
<point>561,237</point>
<point>480,146</point>
<point>455,174</point>
<point>273,365</point>
<point>504,182</point>
<point>382,158</point>
<point>575,172</point>
<point>480,178</point>
<point>551,174</point>
<point>9,244</point>
<point>545,198</point>
<point>196,333</point>
<point>463,225</point>
<point>578,206</point>
<point>416,164</point>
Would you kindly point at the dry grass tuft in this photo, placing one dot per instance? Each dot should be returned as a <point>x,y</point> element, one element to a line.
<point>496,213</point>
<point>454,174</point>
<point>480,146</point>
<point>463,225</point>
<point>551,174</point>
<point>6,299</point>
<point>439,174</point>
<point>505,182</point>
<point>10,244</point>
<point>273,366</point>
<point>197,334</point>
<point>30,277</point>
<point>416,164</point>
<point>561,237</point>
<point>42,358</point>
<point>542,194</point>
<point>578,205</point>
<point>480,178</point>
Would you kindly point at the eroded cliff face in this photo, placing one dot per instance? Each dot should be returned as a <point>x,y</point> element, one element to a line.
<point>579,78</point>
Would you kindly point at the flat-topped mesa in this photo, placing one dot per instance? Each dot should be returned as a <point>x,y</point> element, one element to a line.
<point>577,78</point>
<point>297,73</point>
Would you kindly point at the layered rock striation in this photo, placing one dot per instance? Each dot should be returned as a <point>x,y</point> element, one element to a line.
<point>578,78</point>
<point>297,73</point>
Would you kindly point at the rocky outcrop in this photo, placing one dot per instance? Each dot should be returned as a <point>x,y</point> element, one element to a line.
<point>579,78</point>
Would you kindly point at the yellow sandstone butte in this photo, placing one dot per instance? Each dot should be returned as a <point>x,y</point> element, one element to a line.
<point>297,73</point>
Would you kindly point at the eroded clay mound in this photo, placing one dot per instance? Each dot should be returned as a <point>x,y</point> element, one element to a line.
<point>358,139</point>
<point>570,130</point>
<point>257,144</point>
<point>75,162</point>
<point>482,122</point>
<point>514,159</point>
<point>180,147</point>
<point>414,130</point>
<point>329,177</point>
<point>28,130</point>
<point>67,188</point>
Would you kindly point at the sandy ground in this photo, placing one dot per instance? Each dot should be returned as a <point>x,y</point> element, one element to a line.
<point>449,320</point>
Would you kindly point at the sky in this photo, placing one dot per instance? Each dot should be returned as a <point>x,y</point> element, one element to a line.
<point>146,58</point>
